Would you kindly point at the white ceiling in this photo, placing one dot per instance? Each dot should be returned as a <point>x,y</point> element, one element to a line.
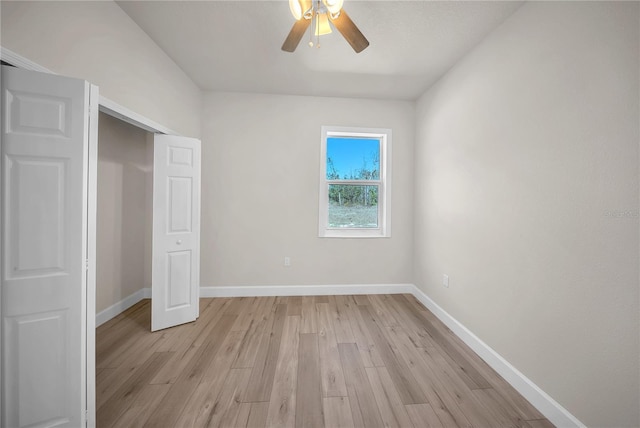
<point>235,45</point>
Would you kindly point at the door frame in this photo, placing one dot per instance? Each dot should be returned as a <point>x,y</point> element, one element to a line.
<point>118,111</point>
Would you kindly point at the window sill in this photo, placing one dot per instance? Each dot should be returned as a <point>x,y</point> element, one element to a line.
<point>352,233</point>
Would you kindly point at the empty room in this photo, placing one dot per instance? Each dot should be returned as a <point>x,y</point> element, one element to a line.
<point>333,213</point>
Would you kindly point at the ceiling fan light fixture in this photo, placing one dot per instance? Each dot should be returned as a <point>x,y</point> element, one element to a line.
<point>333,6</point>
<point>296,9</point>
<point>318,16</point>
<point>322,24</point>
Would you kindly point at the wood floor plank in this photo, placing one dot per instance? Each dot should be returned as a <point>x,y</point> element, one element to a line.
<point>109,381</point>
<point>224,358</point>
<point>143,406</point>
<point>294,305</point>
<point>340,320</point>
<point>171,407</point>
<point>186,335</point>
<point>126,395</point>
<point>415,303</point>
<point>172,404</point>
<point>238,305</point>
<point>258,415</point>
<point>462,395</point>
<point>183,336</point>
<point>362,299</point>
<point>197,365</point>
<point>382,312</point>
<point>468,373</point>
<point>309,411</point>
<point>267,358</point>
<point>251,342</point>
<point>166,340</point>
<point>537,423</point>
<point>149,344</point>
<point>515,401</point>
<point>110,335</point>
<point>245,362</point>
<point>498,413</point>
<point>337,412</point>
<point>496,401</point>
<point>423,415</point>
<point>110,357</point>
<point>411,323</point>
<point>392,410</point>
<point>282,403</point>
<point>308,315</point>
<point>441,400</point>
<point>198,409</point>
<point>366,346</point>
<point>204,329</point>
<point>364,408</point>
<point>176,365</point>
<point>333,384</point>
<point>226,409</point>
<point>407,387</point>
<point>247,314</point>
<point>526,410</point>
<point>244,411</point>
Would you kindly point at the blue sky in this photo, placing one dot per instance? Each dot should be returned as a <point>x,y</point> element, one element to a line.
<point>347,154</point>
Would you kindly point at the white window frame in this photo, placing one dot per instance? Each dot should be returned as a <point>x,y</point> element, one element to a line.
<point>384,190</point>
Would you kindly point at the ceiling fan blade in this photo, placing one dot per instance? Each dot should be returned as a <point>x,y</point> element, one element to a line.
<point>295,35</point>
<point>349,31</point>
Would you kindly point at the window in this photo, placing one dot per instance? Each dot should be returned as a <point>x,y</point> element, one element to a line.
<point>355,178</point>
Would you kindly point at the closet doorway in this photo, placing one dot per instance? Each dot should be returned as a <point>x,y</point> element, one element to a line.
<point>49,166</point>
<point>148,223</point>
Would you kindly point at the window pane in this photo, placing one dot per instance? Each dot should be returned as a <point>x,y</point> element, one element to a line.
<point>353,206</point>
<point>353,158</point>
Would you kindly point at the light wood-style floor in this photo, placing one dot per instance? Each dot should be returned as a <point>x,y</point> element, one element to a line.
<point>332,361</point>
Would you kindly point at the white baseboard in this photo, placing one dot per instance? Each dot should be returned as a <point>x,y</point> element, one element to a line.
<point>550,408</point>
<point>121,306</point>
<point>305,290</point>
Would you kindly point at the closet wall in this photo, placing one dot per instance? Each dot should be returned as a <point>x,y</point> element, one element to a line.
<point>124,211</point>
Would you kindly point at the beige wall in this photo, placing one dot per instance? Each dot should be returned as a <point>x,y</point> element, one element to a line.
<point>124,216</point>
<point>260,178</point>
<point>98,42</point>
<point>526,195</point>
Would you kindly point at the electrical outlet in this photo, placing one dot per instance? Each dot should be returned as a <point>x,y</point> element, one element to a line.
<point>287,261</point>
<point>445,281</point>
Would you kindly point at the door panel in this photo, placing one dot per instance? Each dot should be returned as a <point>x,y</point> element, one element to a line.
<point>28,339</point>
<point>179,264</point>
<point>179,201</point>
<point>38,114</point>
<point>176,231</point>
<point>45,163</point>
<point>36,226</point>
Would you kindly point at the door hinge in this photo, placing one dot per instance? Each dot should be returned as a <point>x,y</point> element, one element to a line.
<point>86,265</point>
<point>86,415</point>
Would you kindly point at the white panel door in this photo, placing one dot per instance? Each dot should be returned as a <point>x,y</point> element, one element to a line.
<point>176,231</point>
<point>45,183</point>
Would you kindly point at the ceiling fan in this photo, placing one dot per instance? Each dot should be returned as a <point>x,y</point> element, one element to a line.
<point>320,13</point>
